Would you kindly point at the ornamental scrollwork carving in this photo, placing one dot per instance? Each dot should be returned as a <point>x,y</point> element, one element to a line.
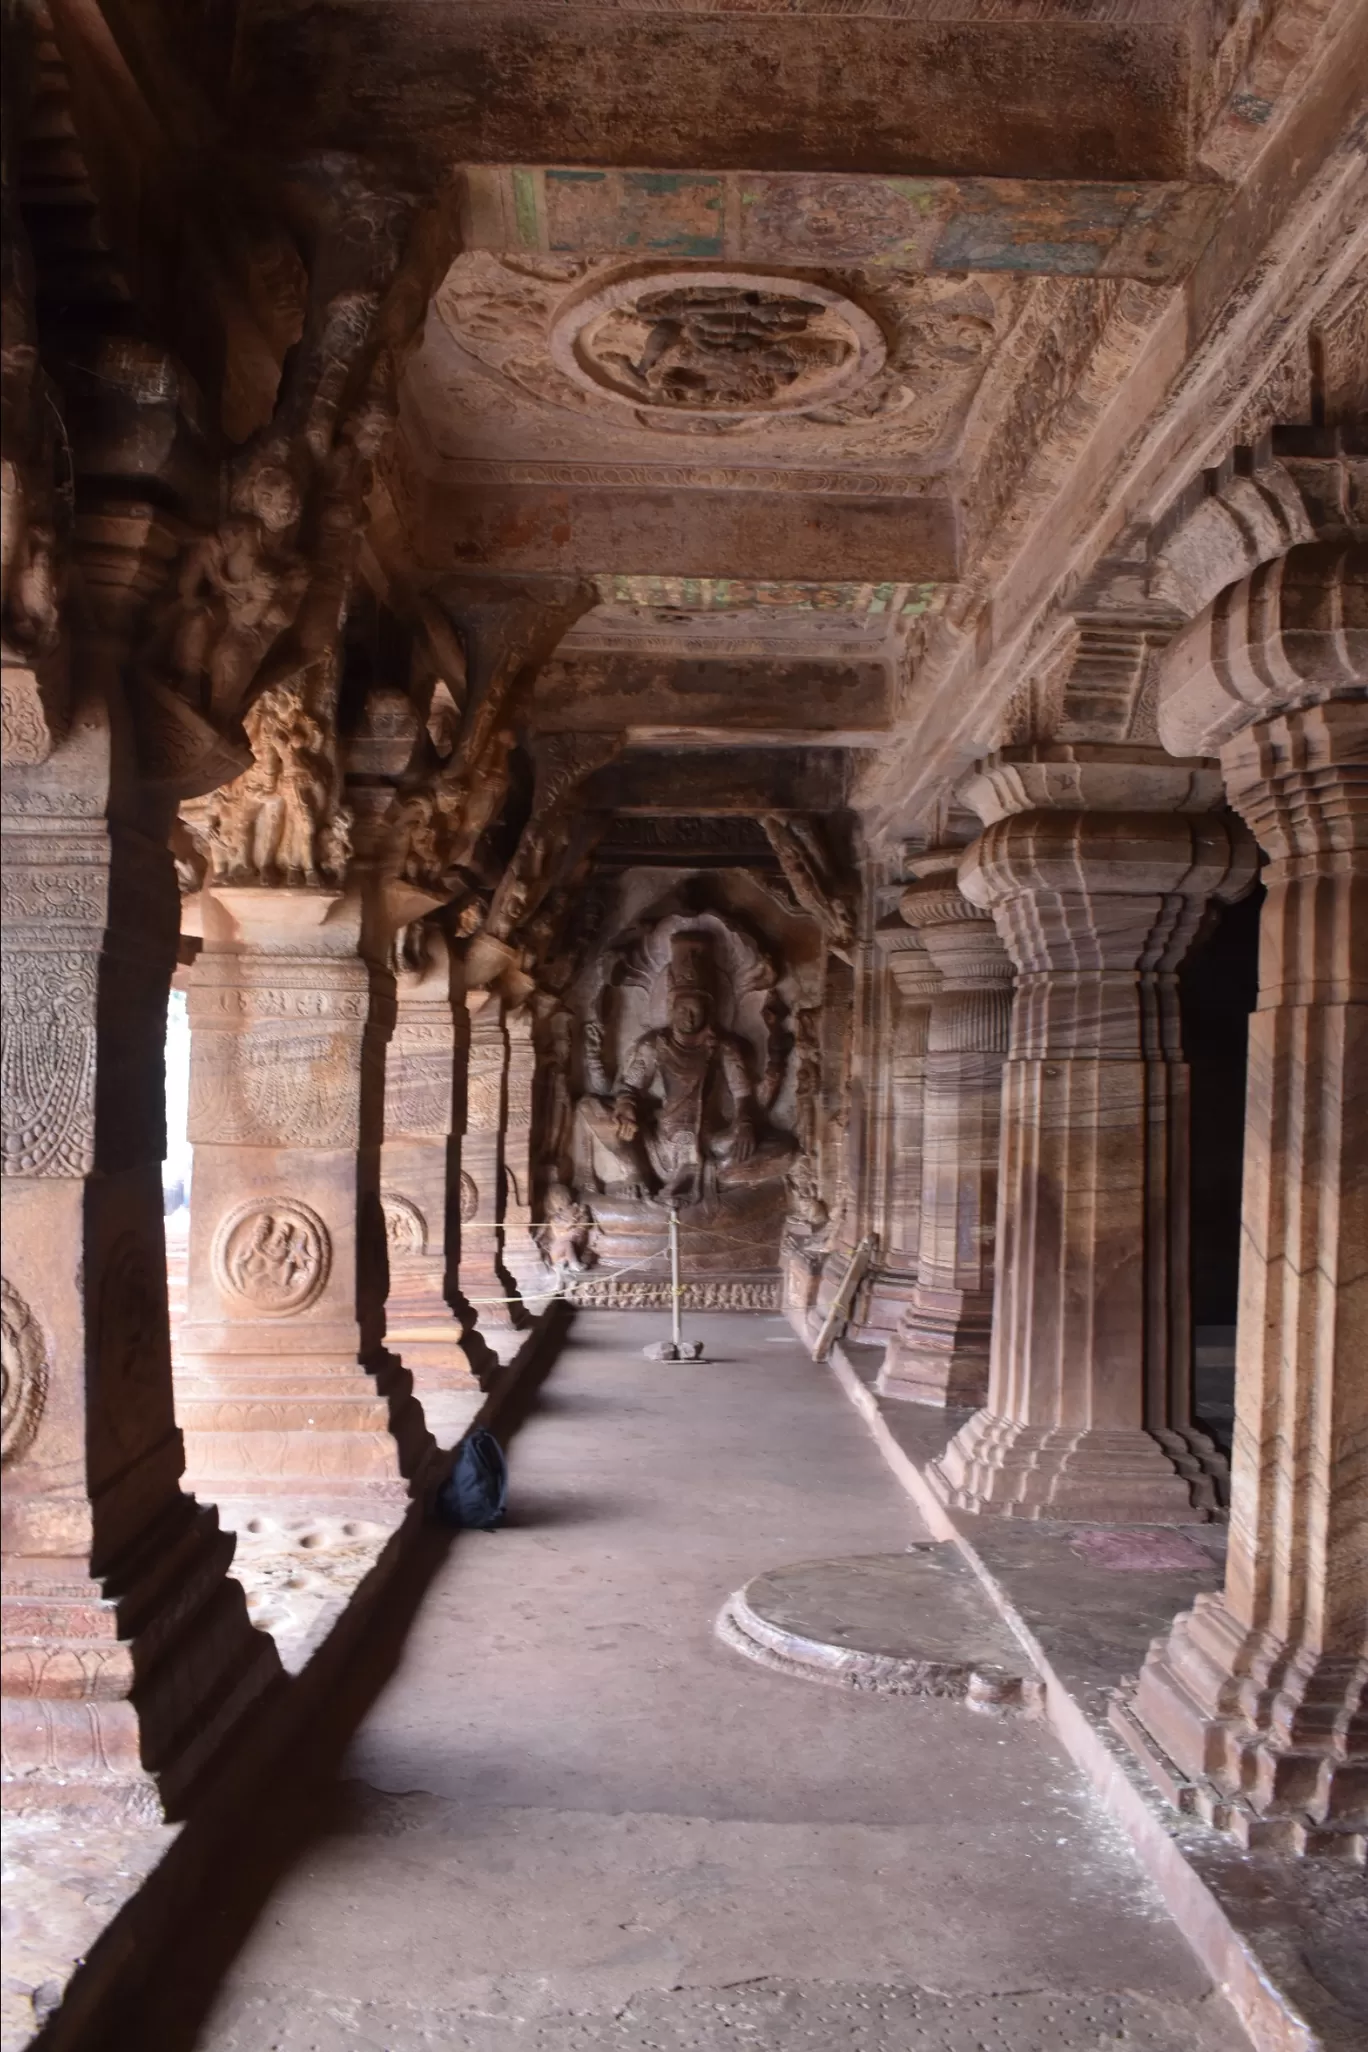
<point>47,1063</point>
<point>23,1375</point>
<point>469,1197</point>
<point>274,1255</point>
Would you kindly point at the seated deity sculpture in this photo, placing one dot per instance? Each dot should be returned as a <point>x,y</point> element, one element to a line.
<point>683,1125</point>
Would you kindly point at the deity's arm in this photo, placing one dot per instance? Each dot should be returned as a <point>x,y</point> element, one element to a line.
<point>736,1070</point>
<point>596,1078</point>
<point>639,1069</point>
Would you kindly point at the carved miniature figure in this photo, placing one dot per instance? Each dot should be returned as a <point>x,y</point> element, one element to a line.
<point>564,1238</point>
<point>274,824</point>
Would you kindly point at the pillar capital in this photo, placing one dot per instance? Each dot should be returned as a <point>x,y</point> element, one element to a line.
<point>1292,634</point>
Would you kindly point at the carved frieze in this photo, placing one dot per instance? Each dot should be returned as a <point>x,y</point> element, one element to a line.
<point>275,1255</point>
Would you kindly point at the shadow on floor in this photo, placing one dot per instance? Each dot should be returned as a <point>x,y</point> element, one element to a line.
<point>289,1808</point>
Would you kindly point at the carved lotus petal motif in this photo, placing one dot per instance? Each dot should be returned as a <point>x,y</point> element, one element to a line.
<point>275,1256</point>
<point>716,343</point>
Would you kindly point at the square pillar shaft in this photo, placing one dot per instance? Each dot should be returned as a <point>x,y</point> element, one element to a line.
<point>129,1661</point>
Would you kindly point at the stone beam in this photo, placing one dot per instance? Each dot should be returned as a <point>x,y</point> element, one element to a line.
<point>624,530</point>
<point>667,782</point>
<point>694,699</point>
<point>813,88</point>
<point>1142,229</point>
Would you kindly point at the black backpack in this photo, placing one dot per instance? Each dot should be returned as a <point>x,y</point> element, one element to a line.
<point>476,1491</point>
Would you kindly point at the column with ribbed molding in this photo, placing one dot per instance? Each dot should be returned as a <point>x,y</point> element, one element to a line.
<point>939,1353</point>
<point>1087,1410</point>
<point>909,983</point>
<point>1251,1709</point>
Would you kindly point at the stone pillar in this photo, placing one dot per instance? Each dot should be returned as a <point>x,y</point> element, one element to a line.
<point>522,1257</point>
<point>1091,1361</point>
<point>485,1283</point>
<point>1251,1709</point>
<point>939,1354</point>
<point>128,1656</point>
<point>420,1176</point>
<point>908,984</point>
<point>285,1391</point>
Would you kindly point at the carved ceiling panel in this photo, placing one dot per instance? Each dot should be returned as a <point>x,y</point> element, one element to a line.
<point>560,359</point>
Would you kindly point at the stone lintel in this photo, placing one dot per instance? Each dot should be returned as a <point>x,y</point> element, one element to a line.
<point>608,528</point>
<point>815,89</point>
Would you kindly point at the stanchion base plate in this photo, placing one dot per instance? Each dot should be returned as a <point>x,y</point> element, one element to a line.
<point>666,1350</point>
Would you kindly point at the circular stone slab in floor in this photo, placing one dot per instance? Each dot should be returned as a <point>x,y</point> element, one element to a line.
<point>897,1624</point>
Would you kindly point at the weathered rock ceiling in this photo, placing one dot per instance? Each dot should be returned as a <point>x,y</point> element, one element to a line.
<point>836,340</point>
<point>1093,89</point>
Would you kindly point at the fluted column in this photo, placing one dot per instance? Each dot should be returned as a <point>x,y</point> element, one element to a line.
<point>420,1179</point>
<point>1251,1709</point>
<point>905,981</point>
<point>939,1353</point>
<point>129,1659</point>
<point>1087,1414</point>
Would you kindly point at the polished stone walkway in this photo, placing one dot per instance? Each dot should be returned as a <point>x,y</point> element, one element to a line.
<point>575,1820</point>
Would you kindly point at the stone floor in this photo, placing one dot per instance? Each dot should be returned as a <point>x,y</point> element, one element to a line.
<point>577,1820</point>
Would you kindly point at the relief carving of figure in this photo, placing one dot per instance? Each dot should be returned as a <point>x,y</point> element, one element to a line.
<point>720,346</point>
<point>684,1123</point>
<point>237,589</point>
<point>564,1238</point>
<point>275,824</point>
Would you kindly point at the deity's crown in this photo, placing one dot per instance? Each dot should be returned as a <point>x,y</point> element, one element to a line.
<point>690,972</point>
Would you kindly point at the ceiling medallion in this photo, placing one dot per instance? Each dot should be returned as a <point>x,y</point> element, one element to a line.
<point>721,344</point>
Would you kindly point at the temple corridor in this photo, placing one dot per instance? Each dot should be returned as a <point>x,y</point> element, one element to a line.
<point>575,1819</point>
<point>701,657</point>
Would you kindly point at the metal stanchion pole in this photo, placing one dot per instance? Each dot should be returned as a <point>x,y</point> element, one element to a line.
<point>675,1333</point>
<point>676,1347</point>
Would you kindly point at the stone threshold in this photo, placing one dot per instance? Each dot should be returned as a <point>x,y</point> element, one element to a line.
<point>1284,1939</point>
<point>89,1904</point>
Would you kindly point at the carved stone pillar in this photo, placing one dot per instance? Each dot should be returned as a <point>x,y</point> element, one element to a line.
<point>939,1353</point>
<point>522,1256</point>
<point>909,983</point>
<point>484,1281</point>
<point>1089,1398</point>
<point>286,1390</point>
<point>128,1655</point>
<point>420,1178</point>
<point>1251,1709</point>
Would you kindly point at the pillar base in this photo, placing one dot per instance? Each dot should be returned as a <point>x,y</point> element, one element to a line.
<point>939,1353</point>
<point>1074,1474</point>
<point>329,1438</point>
<point>1264,1741</point>
<point>121,1693</point>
